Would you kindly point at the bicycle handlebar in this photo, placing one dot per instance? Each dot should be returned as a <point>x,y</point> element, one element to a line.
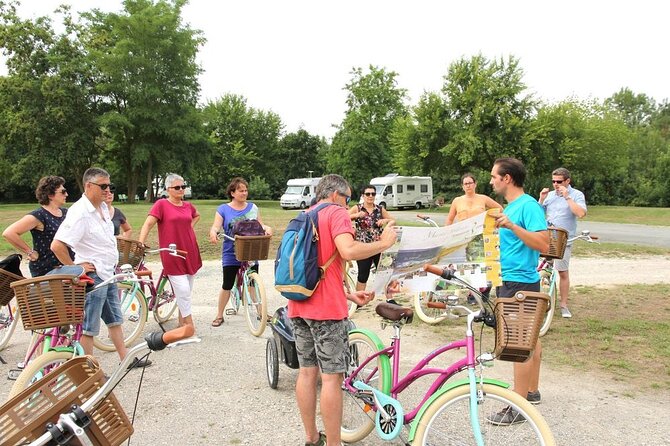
<point>171,249</point>
<point>427,220</point>
<point>449,276</point>
<point>586,236</point>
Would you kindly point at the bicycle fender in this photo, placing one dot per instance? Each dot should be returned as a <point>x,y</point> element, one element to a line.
<point>385,372</point>
<point>441,391</point>
<point>62,348</point>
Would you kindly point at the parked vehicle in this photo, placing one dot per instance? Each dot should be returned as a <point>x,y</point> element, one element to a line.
<point>299,193</point>
<point>395,191</point>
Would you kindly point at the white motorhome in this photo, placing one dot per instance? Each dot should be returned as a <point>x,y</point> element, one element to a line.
<point>395,191</point>
<point>299,193</point>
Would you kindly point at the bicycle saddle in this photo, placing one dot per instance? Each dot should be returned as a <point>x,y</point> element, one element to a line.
<point>394,312</point>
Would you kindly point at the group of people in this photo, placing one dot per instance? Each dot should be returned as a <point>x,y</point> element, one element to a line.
<point>85,235</point>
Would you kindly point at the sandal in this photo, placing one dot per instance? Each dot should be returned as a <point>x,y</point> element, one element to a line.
<point>217,322</point>
<point>320,442</point>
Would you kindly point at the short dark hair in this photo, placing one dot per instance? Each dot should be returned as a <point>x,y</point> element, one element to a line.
<point>331,183</point>
<point>563,172</point>
<point>234,184</point>
<point>369,186</point>
<point>512,167</point>
<point>47,186</point>
<point>468,175</point>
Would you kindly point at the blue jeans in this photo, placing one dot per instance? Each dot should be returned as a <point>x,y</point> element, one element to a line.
<point>101,303</point>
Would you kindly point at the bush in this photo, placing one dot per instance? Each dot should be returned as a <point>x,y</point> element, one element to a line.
<point>259,189</point>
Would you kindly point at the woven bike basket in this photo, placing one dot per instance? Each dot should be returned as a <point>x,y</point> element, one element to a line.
<point>6,292</point>
<point>252,247</point>
<point>130,251</point>
<point>23,418</point>
<point>558,240</point>
<point>518,322</point>
<point>50,301</point>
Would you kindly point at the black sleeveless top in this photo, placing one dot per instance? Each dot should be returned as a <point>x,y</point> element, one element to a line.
<point>42,241</point>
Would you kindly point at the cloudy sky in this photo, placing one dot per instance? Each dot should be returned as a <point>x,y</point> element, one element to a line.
<point>294,57</point>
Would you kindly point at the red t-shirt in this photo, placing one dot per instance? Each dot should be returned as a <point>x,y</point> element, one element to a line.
<point>174,226</point>
<point>328,301</point>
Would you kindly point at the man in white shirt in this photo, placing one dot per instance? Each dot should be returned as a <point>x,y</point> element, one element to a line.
<point>89,231</point>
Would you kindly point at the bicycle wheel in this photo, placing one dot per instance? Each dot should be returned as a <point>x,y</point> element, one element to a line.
<point>166,301</point>
<point>9,317</point>
<point>350,278</point>
<point>134,310</point>
<point>358,416</point>
<point>235,300</point>
<point>39,367</point>
<point>272,362</point>
<point>428,315</point>
<point>447,420</point>
<point>549,285</point>
<point>255,304</point>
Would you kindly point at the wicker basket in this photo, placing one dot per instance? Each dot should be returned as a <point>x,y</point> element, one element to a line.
<point>50,301</point>
<point>558,240</point>
<point>130,251</point>
<point>252,247</point>
<point>6,292</point>
<point>518,322</point>
<point>23,418</point>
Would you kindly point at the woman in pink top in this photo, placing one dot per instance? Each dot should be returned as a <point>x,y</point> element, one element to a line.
<point>176,219</point>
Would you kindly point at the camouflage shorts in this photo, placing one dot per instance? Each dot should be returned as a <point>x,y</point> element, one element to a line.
<point>322,343</point>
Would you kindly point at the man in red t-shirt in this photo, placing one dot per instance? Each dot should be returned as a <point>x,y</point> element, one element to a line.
<point>320,323</point>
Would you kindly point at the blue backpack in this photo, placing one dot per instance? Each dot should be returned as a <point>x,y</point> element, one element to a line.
<point>297,272</point>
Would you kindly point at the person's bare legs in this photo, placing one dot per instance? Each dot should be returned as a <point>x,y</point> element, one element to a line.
<point>305,393</point>
<point>331,406</point>
<point>527,374</point>
<point>224,297</point>
<point>564,287</point>
<point>360,286</point>
<point>115,334</point>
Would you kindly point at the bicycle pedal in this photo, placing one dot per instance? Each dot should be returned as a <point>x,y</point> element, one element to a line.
<point>230,311</point>
<point>13,374</point>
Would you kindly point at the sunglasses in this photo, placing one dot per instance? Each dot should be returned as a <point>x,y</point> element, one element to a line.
<point>347,198</point>
<point>182,187</point>
<point>370,194</point>
<point>557,181</point>
<point>106,186</point>
<point>63,191</point>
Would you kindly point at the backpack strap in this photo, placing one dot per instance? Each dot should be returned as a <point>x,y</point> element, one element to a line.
<point>325,266</point>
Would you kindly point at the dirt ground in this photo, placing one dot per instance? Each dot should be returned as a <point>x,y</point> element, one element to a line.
<point>216,392</point>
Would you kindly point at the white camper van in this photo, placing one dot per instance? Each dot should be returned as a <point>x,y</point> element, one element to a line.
<point>395,191</point>
<point>299,193</point>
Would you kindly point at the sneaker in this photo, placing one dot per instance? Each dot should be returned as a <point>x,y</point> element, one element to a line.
<point>140,363</point>
<point>320,442</point>
<point>534,398</point>
<point>565,312</point>
<point>506,417</point>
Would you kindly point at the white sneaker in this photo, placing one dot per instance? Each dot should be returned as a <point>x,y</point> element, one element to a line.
<point>565,312</point>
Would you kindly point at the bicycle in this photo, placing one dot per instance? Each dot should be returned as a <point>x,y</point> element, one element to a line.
<point>549,280</point>
<point>135,304</point>
<point>9,314</point>
<point>61,339</point>
<point>76,403</point>
<point>248,289</point>
<point>448,413</point>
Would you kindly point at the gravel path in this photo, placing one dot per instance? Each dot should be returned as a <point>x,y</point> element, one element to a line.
<point>216,392</point>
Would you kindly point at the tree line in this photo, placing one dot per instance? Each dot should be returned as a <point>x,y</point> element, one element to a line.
<point>120,90</point>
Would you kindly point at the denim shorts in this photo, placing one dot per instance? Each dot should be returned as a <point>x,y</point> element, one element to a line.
<point>102,303</point>
<point>322,343</point>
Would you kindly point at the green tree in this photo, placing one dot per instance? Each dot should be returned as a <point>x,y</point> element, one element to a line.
<point>361,147</point>
<point>299,153</point>
<point>636,109</point>
<point>146,73</point>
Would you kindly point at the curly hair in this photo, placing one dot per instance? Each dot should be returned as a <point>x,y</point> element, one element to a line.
<point>48,186</point>
<point>234,184</point>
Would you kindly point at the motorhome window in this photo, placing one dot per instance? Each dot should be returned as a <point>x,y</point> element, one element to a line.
<point>306,190</point>
<point>399,188</point>
<point>410,188</point>
<point>293,190</point>
<point>424,188</point>
<point>388,190</point>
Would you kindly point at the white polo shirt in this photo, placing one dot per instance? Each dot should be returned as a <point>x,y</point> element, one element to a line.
<point>90,236</point>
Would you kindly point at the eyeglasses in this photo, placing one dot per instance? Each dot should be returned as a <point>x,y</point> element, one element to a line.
<point>469,184</point>
<point>557,181</point>
<point>182,187</point>
<point>370,194</point>
<point>62,191</point>
<point>106,186</point>
<point>347,198</point>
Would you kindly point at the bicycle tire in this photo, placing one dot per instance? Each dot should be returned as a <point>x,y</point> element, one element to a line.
<point>447,420</point>
<point>8,322</point>
<point>272,362</point>
<point>358,418</point>
<point>430,316</point>
<point>350,279</point>
<point>166,302</point>
<point>135,311</point>
<point>235,299</point>
<point>549,285</point>
<point>255,304</point>
<point>37,368</point>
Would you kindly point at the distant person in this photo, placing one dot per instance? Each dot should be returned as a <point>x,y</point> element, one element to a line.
<point>471,203</point>
<point>563,206</point>
<point>523,234</point>
<point>176,218</point>
<point>42,223</point>
<point>369,220</point>
<point>121,225</point>
<point>225,218</point>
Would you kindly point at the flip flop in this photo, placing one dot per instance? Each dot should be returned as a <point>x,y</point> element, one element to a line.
<point>217,322</point>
